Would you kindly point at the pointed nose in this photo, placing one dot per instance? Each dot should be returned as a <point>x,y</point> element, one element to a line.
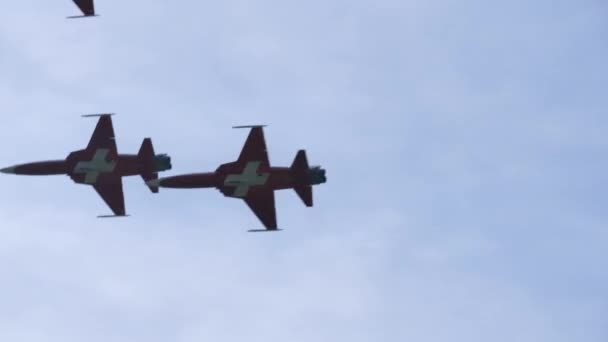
<point>154,183</point>
<point>8,170</point>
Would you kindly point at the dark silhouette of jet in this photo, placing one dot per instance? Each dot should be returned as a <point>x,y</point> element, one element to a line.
<point>252,179</point>
<point>87,7</point>
<point>100,165</point>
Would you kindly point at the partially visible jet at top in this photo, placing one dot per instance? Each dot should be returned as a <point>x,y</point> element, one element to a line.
<point>252,179</point>
<point>87,7</point>
<point>100,165</point>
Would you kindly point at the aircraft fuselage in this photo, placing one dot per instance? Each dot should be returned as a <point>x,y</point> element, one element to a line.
<point>276,178</point>
<point>79,164</point>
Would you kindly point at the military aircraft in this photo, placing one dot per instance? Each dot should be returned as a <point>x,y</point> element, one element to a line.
<point>252,179</point>
<point>100,165</point>
<point>87,7</point>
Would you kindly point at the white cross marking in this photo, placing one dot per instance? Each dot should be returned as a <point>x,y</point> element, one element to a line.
<point>95,166</point>
<point>248,178</point>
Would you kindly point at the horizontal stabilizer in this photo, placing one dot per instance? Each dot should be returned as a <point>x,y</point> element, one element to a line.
<point>146,150</point>
<point>250,126</point>
<point>146,157</point>
<point>82,16</point>
<point>111,216</point>
<point>300,163</point>
<point>299,169</point>
<point>263,230</point>
<point>97,115</point>
<point>305,194</point>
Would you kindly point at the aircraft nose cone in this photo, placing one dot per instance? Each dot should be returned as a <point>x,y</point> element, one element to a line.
<point>8,170</point>
<point>154,183</point>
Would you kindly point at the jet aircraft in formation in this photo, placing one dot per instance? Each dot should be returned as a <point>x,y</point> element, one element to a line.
<point>100,165</point>
<point>250,178</point>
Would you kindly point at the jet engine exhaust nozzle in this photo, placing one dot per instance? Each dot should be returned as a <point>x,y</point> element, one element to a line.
<point>316,175</point>
<point>162,162</point>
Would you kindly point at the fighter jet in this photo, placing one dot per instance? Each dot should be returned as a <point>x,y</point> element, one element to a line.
<point>87,7</point>
<point>100,165</point>
<point>252,179</point>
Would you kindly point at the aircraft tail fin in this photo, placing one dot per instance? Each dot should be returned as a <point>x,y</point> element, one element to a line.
<point>299,169</point>
<point>152,163</point>
<point>305,194</point>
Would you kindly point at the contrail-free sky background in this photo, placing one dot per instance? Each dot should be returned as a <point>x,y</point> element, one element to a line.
<point>465,144</point>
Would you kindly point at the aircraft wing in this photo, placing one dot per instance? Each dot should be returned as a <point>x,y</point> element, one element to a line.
<point>86,6</point>
<point>111,192</point>
<point>261,202</point>
<point>103,137</point>
<point>255,148</point>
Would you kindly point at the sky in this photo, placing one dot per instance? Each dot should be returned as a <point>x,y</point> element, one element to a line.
<point>464,143</point>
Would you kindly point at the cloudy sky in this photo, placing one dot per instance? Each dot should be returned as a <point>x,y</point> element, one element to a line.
<point>465,143</point>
